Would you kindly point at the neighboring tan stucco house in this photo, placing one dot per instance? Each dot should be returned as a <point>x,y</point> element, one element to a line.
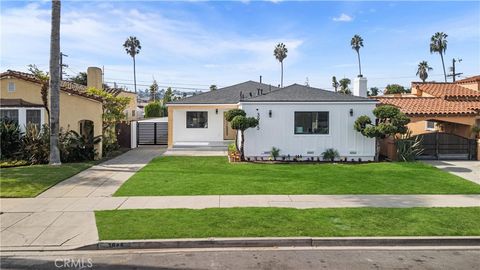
<point>447,108</point>
<point>297,119</point>
<point>21,101</point>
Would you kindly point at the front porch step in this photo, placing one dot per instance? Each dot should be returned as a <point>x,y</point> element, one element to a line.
<point>201,146</point>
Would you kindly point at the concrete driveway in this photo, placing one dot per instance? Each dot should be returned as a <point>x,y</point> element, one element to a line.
<point>469,170</point>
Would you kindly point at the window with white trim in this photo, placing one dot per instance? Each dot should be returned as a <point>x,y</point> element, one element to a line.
<point>430,125</point>
<point>11,87</point>
<point>197,119</point>
<point>33,117</point>
<point>312,123</point>
<point>11,115</point>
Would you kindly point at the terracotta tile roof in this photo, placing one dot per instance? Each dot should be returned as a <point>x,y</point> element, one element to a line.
<point>469,79</point>
<point>17,102</point>
<point>66,86</point>
<point>447,90</point>
<point>432,106</point>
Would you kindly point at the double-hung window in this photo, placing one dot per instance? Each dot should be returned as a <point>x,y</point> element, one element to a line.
<point>197,119</point>
<point>311,123</point>
<point>33,117</point>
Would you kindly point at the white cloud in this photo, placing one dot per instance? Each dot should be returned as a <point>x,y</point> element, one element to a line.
<point>172,49</point>
<point>343,18</point>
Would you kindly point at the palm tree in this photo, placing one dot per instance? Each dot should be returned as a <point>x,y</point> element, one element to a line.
<point>423,69</point>
<point>132,46</point>
<point>280,54</point>
<point>438,44</point>
<point>335,83</point>
<point>54,158</point>
<point>357,43</point>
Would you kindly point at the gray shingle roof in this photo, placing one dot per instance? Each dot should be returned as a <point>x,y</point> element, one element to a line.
<point>301,93</point>
<point>226,95</point>
<point>292,93</point>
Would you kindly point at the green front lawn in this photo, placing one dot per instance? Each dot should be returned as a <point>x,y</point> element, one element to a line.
<point>286,222</point>
<point>214,175</point>
<point>29,181</point>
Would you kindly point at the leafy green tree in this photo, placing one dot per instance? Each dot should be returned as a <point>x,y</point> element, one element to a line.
<point>153,89</point>
<point>80,78</point>
<point>280,53</point>
<point>373,91</point>
<point>54,158</point>
<point>213,87</point>
<point>438,44</point>
<point>45,82</point>
<point>335,83</point>
<point>154,109</point>
<point>240,122</point>
<point>168,96</point>
<point>344,86</point>
<point>390,122</point>
<point>113,113</point>
<point>422,70</point>
<point>395,89</point>
<point>132,47</point>
<point>357,43</point>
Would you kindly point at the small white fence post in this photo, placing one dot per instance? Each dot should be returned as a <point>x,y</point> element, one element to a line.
<point>133,134</point>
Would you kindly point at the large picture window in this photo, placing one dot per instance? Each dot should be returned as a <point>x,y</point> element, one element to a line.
<point>311,123</point>
<point>197,119</point>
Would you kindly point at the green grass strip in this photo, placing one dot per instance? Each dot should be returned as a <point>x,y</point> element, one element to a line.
<point>286,222</point>
<point>214,175</point>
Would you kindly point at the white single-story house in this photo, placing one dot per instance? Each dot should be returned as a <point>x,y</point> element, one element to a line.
<point>297,119</point>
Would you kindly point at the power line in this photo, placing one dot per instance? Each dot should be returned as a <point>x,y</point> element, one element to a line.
<point>163,86</point>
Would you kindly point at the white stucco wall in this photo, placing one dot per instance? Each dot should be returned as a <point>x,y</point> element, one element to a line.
<point>213,133</point>
<point>278,131</point>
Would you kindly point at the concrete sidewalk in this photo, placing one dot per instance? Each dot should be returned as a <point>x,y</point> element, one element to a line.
<point>56,219</point>
<point>70,205</point>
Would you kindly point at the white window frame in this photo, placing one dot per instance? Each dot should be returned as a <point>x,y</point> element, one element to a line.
<point>11,87</point>
<point>430,128</point>
<point>22,115</point>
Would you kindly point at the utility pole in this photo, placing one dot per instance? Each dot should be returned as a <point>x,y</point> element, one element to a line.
<point>62,65</point>
<point>452,69</point>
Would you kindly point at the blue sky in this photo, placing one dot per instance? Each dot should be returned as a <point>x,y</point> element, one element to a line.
<point>194,44</point>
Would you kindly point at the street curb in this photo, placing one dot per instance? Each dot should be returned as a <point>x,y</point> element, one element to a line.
<point>284,242</point>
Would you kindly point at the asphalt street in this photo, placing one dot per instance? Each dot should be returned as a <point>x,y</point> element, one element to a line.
<point>264,258</point>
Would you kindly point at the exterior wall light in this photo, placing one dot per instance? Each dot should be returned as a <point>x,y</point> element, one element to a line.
<point>270,113</point>
<point>216,111</point>
<point>351,112</point>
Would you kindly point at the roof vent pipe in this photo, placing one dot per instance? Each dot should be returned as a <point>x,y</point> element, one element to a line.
<point>260,78</point>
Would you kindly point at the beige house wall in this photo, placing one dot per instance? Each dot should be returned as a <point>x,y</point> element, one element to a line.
<point>131,113</point>
<point>459,125</point>
<point>172,108</point>
<point>73,108</point>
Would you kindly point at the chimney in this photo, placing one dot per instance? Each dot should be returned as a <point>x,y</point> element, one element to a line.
<point>94,78</point>
<point>360,87</point>
<point>260,78</point>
